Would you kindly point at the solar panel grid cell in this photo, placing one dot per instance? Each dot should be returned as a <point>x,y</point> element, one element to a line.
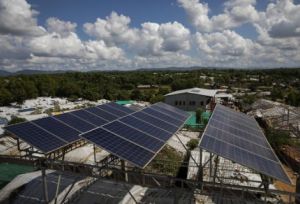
<point>171,108</point>
<point>146,127</point>
<point>223,136</point>
<point>134,136</point>
<point>120,108</point>
<point>220,116</point>
<point>85,115</point>
<point>75,122</point>
<point>162,116</point>
<point>61,130</point>
<point>43,140</point>
<point>242,145</point>
<point>170,113</point>
<point>101,113</point>
<point>112,110</point>
<point>155,121</point>
<point>238,132</point>
<point>119,147</point>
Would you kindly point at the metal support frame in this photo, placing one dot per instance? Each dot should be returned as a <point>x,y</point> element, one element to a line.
<point>188,151</point>
<point>59,178</point>
<point>216,168</point>
<point>45,185</point>
<point>124,169</point>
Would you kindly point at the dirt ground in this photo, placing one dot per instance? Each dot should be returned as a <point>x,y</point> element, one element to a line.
<point>285,187</point>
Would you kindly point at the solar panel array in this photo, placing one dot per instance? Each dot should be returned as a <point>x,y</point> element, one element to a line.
<point>139,136</point>
<point>238,137</point>
<point>52,133</point>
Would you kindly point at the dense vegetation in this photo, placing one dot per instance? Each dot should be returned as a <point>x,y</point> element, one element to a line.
<point>284,84</point>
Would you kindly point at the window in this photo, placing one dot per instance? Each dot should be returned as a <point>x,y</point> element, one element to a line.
<point>180,103</point>
<point>183,103</point>
<point>176,103</point>
<point>201,103</point>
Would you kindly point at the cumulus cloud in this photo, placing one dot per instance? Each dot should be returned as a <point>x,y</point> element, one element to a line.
<point>114,43</point>
<point>113,30</point>
<point>280,20</point>
<point>151,39</point>
<point>235,14</point>
<point>18,18</point>
<point>63,28</point>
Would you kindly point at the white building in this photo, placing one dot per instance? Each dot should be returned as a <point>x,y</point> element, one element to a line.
<point>191,99</point>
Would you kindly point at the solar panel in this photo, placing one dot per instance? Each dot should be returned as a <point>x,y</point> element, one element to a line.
<point>112,110</point>
<point>119,147</point>
<point>172,108</point>
<point>61,130</point>
<point>162,116</point>
<point>147,127</point>
<point>67,126</point>
<point>101,113</point>
<point>135,136</point>
<point>89,117</point>
<point>120,108</point>
<point>236,138</point>
<point>37,137</point>
<point>146,130</point>
<point>170,113</point>
<point>155,121</point>
<point>75,122</point>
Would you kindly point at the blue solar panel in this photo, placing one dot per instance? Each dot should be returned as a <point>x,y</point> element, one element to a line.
<point>61,130</point>
<point>256,138</point>
<point>220,115</point>
<point>156,122</point>
<point>170,113</point>
<point>134,136</point>
<point>119,147</point>
<point>101,113</point>
<point>121,108</point>
<point>146,127</point>
<point>162,116</point>
<point>89,117</point>
<point>230,138</point>
<point>36,137</point>
<point>245,158</point>
<point>75,122</point>
<point>172,108</point>
<point>112,110</point>
<point>240,142</point>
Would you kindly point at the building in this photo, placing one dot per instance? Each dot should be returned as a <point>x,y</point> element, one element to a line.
<point>190,99</point>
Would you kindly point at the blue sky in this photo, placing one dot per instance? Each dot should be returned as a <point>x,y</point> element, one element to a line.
<point>118,34</point>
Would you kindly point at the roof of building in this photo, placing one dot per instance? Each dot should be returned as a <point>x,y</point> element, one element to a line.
<point>198,91</point>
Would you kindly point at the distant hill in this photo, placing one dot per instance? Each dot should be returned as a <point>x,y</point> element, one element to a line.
<point>4,73</point>
<point>31,72</point>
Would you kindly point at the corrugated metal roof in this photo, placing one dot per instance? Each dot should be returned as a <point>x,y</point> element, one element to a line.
<point>198,91</point>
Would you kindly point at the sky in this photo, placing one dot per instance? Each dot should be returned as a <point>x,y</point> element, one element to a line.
<point>125,35</point>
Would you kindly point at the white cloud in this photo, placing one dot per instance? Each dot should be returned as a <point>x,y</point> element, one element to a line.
<point>54,44</point>
<point>114,43</point>
<point>113,30</point>
<point>151,39</point>
<point>63,28</point>
<point>18,18</point>
<point>99,50</point>
<point>235,14</point>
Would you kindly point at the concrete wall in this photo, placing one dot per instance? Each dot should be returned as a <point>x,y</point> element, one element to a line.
<point>187,101</point>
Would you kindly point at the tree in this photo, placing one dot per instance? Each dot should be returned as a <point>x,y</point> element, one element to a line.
<point>15,120</point>
<point>277,138</point>
<point>199,112</point>
<point>5,97</point>
<point>192,144</point>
